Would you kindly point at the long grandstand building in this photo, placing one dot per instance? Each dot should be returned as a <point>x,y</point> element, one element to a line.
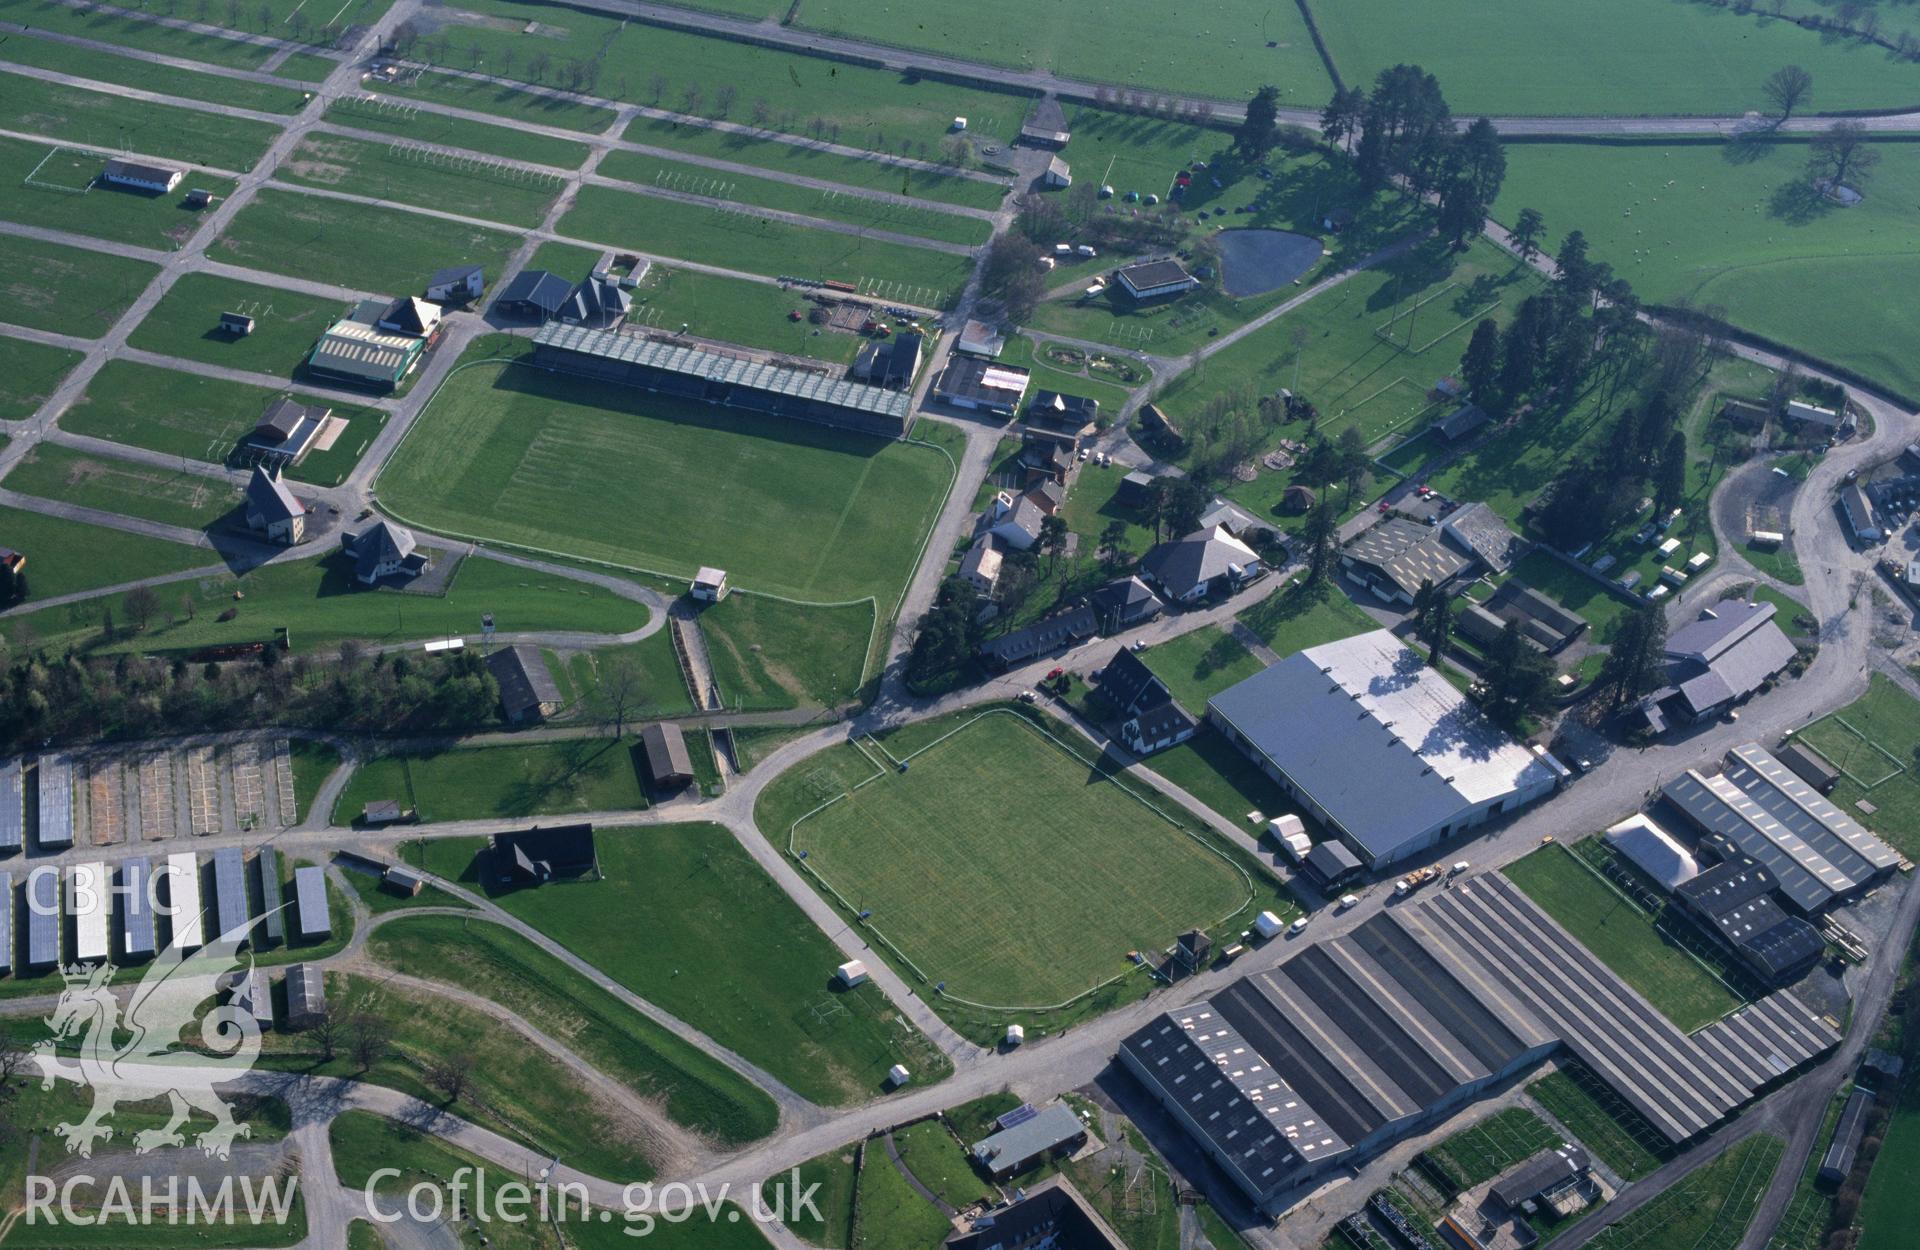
<point>713,377</point>
<point>1356,1042</point>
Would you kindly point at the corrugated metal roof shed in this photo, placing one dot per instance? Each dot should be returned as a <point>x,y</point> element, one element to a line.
<point>136,907</point>
<point>90,906</point>
<point>13,814</point>
<point>1717,805</point>
<point>43,917</point>
<point>6,923</point>
<point>56,801</point>
<point>1801,807</point>
<point>310,902</point>
<point>183,898</point>
<point>267,864</point>
<point>229,892</point>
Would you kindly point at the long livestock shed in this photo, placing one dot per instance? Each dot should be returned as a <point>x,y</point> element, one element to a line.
<point>1354,1043</point>
<point>89,902</point>
<point>56,802</point>
<point>6,923</point>
<point>183,898</point>
<point>310,902</point>
<point>13,810</point>
<point>230,894</point>
<point>136,908</point>
<point>43,917</point>
<point>273,924</point>
<point>823,398</point>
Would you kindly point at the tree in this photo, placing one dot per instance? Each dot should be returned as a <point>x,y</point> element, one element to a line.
<point>449,1072</point>
<point>949,632</point>
<point>1480,365</point>
<point>1341,118</point>
<point>325,1032</point>
<point>1572,268</point>
<point>1406,129</point>
<point>1528,228</point>
<point>1472,170</point>
<point>1787,88</point>
<point>1320,464</point>
<point>1636,660</point>
<point>1012,275</point>
<point>1518,678</point>
<point>369,1039</point>
<point>1113,544</point>
<point>1053,539</point>
<point>1318,533</point>
<point>1256,135</point>
<point>1432,619</point>
<point>1842,157</point>
<point>1182,500</point>
<point>141,605</point>
<point>1354,460</point>
<point>1670,474</point>
<point>622,689</point>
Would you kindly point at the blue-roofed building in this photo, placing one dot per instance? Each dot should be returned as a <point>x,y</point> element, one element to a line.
<point>273,923</point>
<point>310,903</point>
<point>229,892</point>
<point>42,902</point>
<point>13,811</point>
<point>136,908</point>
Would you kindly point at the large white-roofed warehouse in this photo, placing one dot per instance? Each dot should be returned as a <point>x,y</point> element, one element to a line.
<point>1379,746</point>
<point>713,377</point>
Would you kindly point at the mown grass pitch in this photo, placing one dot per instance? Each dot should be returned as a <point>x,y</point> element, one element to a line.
<point>610,472</point>
<point>1011,869</point>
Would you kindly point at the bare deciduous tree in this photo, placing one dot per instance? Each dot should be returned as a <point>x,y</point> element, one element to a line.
<point>1787,89</point>
<point>622,691</point>
<point>449,1074</point>
<point>369,1039</point>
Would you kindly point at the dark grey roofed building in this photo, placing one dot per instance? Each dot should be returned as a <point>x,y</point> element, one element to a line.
<point>311,917</point>
<point>982,385</point>
<point>1837,1164</point>
<point>41,899</point>
<point>1810,766</point>
<point>456,282</point>
<point>668,762</point>
<point>306,996</point>
<point>1732,650</point>
<point>1157,728</point>
<point>6,923</point>
<point>410,315</point>
<point>286,431</point>
<point>527,689</point>
<point>1130,686</point>
<point>597,302</point>
<point>230,894</point>
<point>1858,513</point>
<point>272,509</point>
<point>892,362</point>
<point>1075,414</point>
<point>1049,1216</point>
<point>1543,1175</point>
<point>1031,1139</point>
<point>1189,569</point>
<point>142,175</point>
<point>1734,901</point>
<point>1123,603</point>
<point>384,549</point>
<point>136,908</point>
<point>1050,633</point>
<point>539,855</point>
<point>1480,532</point>
<point>1135,489</point>
<point>1330,863</point>
<point>1395,556</point>
<point>1461,422</point>
<point>1156,279</point>
<point>1046,125</point>
<point>13,806</point>
<point>534,294</point>
<point>273,923</point>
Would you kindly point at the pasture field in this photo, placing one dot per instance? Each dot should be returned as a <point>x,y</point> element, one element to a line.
<point>152,221</point>
<point>1891,1204</point>
<point>663,691</point>
<point>170,496</point>
<point>483,783</point>
<point>859,210</point>
<point>651,65</point>
<point>66,557</point>
<point>833,1172</point>
<point>768,653</point>
<point>362,1143</point>
<point>324,606</point>
<point>201,418</point>
<point>1741,227</point>
<point>149,76</point>
<point>413,125</point>
<point>1606,1126</point>
<point>500,966</point>
<point>1708,1209</point>
<point>103,120</point>
<point>353,245</point>
<point>549,461</point>
<point>892,1212</point>
<point>511,103</point>
<point>132,31</point>
<point>185,323</point>
<point>688,921</point>
<point>1228,50</point>
<point>1622,937</point>
<point>735,239</point>
<point>733,310</point>
<point>795,155</point>
<point>1884,719</point>
<point>1301,616</point>
<point>68,290</point>
<point>1044,848</point>
<point>1209,768</point>
<point>1634,57</point>
<point>29,372</point>
<point>360,167</point>
<point>566,259</point>
<point>1200,664</point>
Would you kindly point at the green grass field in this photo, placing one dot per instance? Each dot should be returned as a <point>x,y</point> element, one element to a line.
<point>202,418</point>
<point>362,1143</point>
<point>149,76</point>
<point>353,245</point>
<point>1209,768</point>
<point>835,516</point>
<point>170,496</point>
<point>995,803</point>
<point>1200,664</point>
<point>418,126</point>
<point>366,167</point>
<point>1708,1209</point>
<point>1492,1146</point>
<point>798,156</point>
<point>1300,616</point>
<point>768,653</point>
<point>1086,382</point>
<point>891,1212</point>
<point>129,30</point>
<point>100,119</point>
<point>941,1164</point>
<point>1888,719</point>
<point>155,221</point>
<point>65,557</point>
<point>1227,51</point>
<point>1602,1123</point>
<point>1639,57</point>
<point>322,605</point>
<point>686,920</point>
<point>737,240</point>
<point>833,1172</point>
<point>1892,1204</point>
<point>671,175</point>
<point>68,290</point>
<point>1622,937</point>
<point>29,372</point>
<point>185,323</point>
<point>496,964</point>
<point>482,96</point>
<point>733,310</point>
<point>1740,226</point>
<point>481,783</point>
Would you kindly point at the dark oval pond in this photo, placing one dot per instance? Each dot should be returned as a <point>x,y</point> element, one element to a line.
<point>1254,261</point>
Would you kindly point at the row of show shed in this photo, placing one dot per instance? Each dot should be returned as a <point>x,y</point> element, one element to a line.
<point>95,902</point>
<point>51,826</point>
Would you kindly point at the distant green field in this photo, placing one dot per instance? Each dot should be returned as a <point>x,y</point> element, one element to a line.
<point>170,496</point>
<point>101,119</point>
<point>524,456</point>
<point>154,221</point>
<point>923,222</point>
<point>1884,719</point>
<point>1606,1126</point>
<point>1226,50</point>
<point>64,557</point>
<point>28,374</point>
<point>362,167</point>
<point>1200,664</point>
<point>202,418</point>
<point>734,310</point>
<point>768,653</point>
<point>185,323</point>
<point>1742,228</point>
<point>480,783</point>
<point>150,76</point>
<point>787,154</point>
<point>354,245</point>
<point>738,240</point>
<point>308,67</point>
<point>419,126</point>
<point>1301,616</point>
<point>133,31</point>
<point>1708,1209</point>
<point>68,290</point>
<point>1892,1204</point>
<point>1634,57</point>
<point>483,96</point>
